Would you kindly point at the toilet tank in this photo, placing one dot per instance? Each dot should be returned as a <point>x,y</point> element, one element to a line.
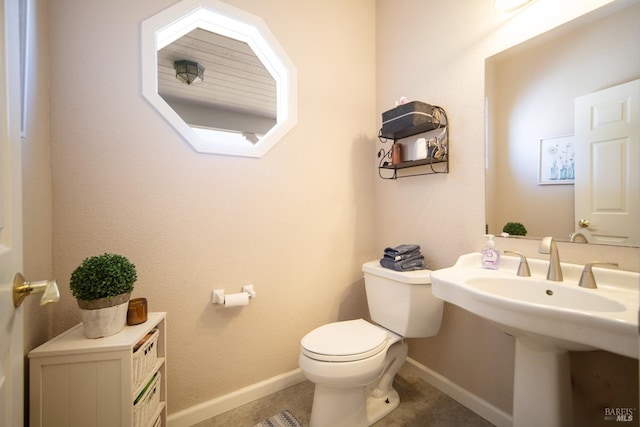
<point>401,301</point>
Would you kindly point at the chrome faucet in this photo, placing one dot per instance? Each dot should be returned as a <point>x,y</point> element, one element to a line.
<point>548,246</point>
<point>523,267</point>
<point>587,280</point>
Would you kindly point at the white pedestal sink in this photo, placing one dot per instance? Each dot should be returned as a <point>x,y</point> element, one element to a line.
<point>547,319</point>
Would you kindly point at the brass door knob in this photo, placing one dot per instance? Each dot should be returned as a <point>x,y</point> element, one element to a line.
<point>583,223</point>
<point>22,289</point>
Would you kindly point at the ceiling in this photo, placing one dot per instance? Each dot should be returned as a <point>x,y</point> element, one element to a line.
<point>234,77</point>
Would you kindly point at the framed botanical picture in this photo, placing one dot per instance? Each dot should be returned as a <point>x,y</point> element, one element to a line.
<point>556,160</point>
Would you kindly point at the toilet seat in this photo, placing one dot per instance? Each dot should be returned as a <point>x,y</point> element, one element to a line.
<point>345,341</point>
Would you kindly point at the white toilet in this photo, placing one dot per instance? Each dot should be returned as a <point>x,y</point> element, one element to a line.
<point>353,363</point>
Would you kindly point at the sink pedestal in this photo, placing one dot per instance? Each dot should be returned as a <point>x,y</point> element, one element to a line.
<point>542,386</point>
<point>547,319</point>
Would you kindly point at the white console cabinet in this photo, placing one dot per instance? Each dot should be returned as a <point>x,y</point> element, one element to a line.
<point>113,381</point>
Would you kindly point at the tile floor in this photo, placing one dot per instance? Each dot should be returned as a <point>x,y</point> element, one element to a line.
<point>421,405</point>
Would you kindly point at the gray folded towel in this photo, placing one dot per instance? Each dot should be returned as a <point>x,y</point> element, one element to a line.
<point>403,256</point>
<point>413,263</point>
<point>401,250</point>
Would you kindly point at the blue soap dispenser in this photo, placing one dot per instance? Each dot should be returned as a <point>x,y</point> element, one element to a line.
<point>490,255</point>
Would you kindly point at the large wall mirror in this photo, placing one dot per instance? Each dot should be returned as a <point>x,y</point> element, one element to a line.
<point>531,90</point>
<point>243,96</point>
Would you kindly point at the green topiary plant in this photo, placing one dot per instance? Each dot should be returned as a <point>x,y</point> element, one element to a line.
<point>102,276</point>
<point>514,229</point>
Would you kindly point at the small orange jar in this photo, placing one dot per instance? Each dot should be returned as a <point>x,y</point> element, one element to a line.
<point>396,154</point>
<point>137,311</point>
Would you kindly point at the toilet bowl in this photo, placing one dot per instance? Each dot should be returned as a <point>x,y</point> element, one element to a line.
<point>352,363</point>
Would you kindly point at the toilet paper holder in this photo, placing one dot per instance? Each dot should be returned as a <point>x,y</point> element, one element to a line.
<point>217,297</point>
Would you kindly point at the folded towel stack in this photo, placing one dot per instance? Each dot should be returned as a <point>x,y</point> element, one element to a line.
<point>403,258</point>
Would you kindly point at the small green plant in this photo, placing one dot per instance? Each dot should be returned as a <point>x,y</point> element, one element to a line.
<point>102,276</point>
<point>514,229</point>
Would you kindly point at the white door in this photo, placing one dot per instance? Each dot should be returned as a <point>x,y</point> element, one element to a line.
<point>607,185</point>
<point>11,333</point>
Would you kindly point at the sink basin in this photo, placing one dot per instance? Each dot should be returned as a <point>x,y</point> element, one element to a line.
<point>559,315</point>
<point>547,319</point>
<point>544,294</point>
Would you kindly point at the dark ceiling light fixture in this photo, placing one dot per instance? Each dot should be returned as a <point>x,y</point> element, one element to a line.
<point>189,72</point>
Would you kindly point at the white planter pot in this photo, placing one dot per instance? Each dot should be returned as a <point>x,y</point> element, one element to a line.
<point>103,322</point>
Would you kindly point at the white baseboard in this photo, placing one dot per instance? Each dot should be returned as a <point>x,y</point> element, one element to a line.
<point>481,407</point>
<point>217,406</point>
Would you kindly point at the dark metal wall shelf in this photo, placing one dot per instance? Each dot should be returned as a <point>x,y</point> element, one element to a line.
<point>437,160</point>
<point>433,166</point>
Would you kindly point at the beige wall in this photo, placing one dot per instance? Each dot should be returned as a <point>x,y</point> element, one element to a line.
<point>436,53</point>
<point>296,223</point>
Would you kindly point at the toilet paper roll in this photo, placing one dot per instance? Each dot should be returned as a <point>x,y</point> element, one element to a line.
<point>235,300</point>
<point>421,149</point>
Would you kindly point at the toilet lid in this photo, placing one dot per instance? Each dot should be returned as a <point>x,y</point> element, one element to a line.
<point>344,341</point>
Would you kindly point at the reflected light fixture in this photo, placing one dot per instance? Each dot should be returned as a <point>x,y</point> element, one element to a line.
<point>189,72</point>
<point>509,5</point>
